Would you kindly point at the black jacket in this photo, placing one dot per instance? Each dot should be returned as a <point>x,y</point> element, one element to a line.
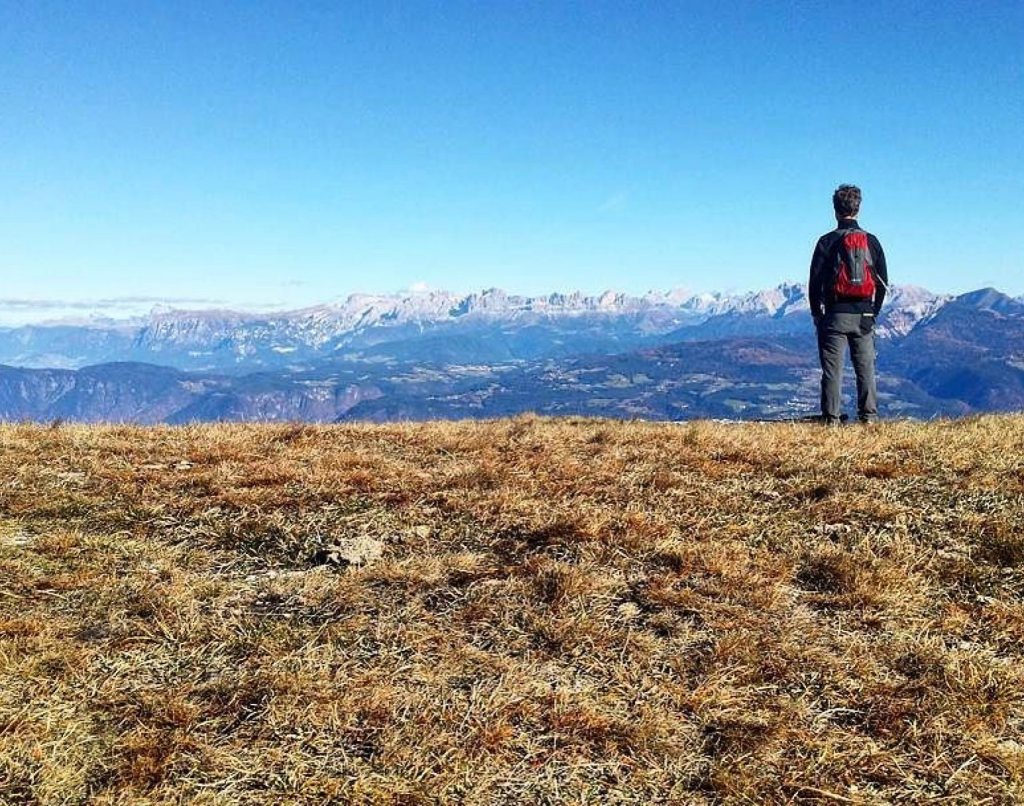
<point>819,286</point>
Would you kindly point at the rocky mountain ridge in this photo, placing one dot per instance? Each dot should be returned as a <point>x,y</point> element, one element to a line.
<point>492,325</point>
<point>956,356</point>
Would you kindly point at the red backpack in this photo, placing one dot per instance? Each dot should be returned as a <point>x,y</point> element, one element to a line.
<point>854,274</point>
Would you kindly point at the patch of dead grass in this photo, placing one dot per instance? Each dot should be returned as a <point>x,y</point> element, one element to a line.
<point>561,610</point>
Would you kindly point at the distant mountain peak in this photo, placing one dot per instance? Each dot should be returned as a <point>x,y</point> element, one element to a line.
<point>989,299</point>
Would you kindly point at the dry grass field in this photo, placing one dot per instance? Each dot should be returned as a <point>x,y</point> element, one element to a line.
<point>520,611</point>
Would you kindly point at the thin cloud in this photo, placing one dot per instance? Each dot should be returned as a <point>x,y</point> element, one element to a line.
<point>21,304</point>
<point>614,203</point>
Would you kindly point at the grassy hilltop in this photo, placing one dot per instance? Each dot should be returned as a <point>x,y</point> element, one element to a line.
<point>526,610</point>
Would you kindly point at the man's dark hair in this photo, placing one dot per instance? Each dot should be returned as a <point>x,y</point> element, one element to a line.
<point>846,201</point>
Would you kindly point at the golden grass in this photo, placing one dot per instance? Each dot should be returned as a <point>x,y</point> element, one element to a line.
<point>565,611</point>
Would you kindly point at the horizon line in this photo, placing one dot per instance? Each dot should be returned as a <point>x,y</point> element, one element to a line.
<point>105,309</point>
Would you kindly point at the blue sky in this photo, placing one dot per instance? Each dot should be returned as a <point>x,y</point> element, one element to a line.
<point>260,153</point>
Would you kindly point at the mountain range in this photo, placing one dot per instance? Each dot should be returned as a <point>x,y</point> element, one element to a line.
<point>435,354</point>
<point>486,326</point>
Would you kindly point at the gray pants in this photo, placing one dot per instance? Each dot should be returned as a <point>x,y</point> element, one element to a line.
<point>834,333</point>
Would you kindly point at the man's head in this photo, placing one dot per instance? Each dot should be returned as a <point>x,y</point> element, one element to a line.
<point>846,201</point>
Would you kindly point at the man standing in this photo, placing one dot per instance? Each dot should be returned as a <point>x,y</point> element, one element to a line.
<point>846,288</point>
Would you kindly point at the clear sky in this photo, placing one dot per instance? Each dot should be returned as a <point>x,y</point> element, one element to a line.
<point>261,153</point>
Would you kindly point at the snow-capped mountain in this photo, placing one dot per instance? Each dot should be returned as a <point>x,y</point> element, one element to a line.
<point>663,356</point>
<point>906,306</point>
<point>486,326</point>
